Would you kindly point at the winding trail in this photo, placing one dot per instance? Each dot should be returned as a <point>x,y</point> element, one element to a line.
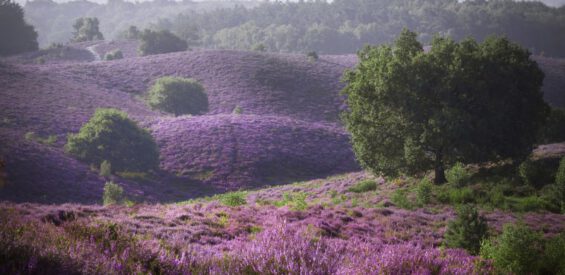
<point>94,53</point>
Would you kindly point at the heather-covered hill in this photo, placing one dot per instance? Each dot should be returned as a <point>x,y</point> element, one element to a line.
<point>259,83</point>
<point>234,151</point>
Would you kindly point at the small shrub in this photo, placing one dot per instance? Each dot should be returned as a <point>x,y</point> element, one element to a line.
<point>560,183</point>
<point>312,56</point>
<point>296,201</point>
<point>178,96</point>
<point>458,174</point>
<point>113,194</point>
<point>113,55</point>
<point>363,186</point>
<point>110,135</point>
<point>400,199</point>
<point>137,176</point>
<point>453,195</point>
<point>538,173</point>
<point>260,47</point>
<point>424,191</point>
<point>517,250</point>
<point>237,110</point>
<point>32,136</point>
<point>467,231</point>
<point>105,169</point>
<point>234,199</point>
<point>156,42</point>
<point>553,261</point>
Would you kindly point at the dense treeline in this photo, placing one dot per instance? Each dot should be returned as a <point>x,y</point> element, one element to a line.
<point>344,26</point>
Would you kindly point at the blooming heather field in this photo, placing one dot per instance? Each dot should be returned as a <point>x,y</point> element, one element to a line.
<point>299,203</point>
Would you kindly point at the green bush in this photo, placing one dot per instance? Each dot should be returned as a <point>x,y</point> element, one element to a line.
<point>554,256</point>
<point>424,191</point>
<point>457,174</point>
<point>560,183</point>
<point>312,56</point>
<point>113,194</point>
<point>400,199</point>
<point>538,173</point>
<point>178,96</point>
<point>363,186</point>
<point>454,195</point>
<point>517,250</point>
<point>113,55</point>
<point>233,199</point>
<point>110,135</point>
<point>296,201</point>
<point>105,169</point>
<point>156,42</point>
<point>467,231</point>
<point>237,110</point>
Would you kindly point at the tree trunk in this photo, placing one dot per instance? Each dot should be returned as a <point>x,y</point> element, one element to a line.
<point>439,169</point>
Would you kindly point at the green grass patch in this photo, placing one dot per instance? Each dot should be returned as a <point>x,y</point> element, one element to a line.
<point>363,186</point>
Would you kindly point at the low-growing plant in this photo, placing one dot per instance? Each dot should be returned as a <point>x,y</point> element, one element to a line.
<point>49,140</point>
<point>424,191</point>
<point>234,199</point>
<point>178,96</point>
<point>296,201</point>
<point>137,176</point>
<point>113,194</point>
<point>400,199</point>
<point>467,231</point>
<point>105,169</point>
<point>457,174</point>
<point>554,254</point>
<point>454,195</point>
<point>237,110</point>
<point>363,186</point>
<point>113,55</point>
<point>517,250</point>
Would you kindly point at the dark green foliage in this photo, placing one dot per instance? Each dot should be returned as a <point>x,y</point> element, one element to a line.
<point>110,135</point>
<point>560,184</point>
<point>156,42</point>
<point>178,96</point>
<point>517,250</point>
<point>233,199</point>
<point>312,56</point>
<point>113,55</point>
<point>16,36</point>
<point>554,254</point>
<point>554,129</point>
<point>467,231</point>
<point>132,33</point>
<point>86,29</point>
<point>363,186</point>
<point>538,173</point>
<point>410,110</point>
<point>113,194</point>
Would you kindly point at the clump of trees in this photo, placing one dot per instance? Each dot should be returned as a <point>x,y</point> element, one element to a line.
<point>111,136</point>
<point>156,42</point>
<point>16,35</point>
<point>411,110</point>
<point>87,29</point>
<point>178,96</point>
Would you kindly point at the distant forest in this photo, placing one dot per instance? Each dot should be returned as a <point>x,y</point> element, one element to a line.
<point>342,26</point>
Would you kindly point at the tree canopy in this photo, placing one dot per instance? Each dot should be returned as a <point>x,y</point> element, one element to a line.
<point>411,110</point>
<point>87,29</point>
<point>111,136</point>
<point>156,42</point>
<point>16,36</point>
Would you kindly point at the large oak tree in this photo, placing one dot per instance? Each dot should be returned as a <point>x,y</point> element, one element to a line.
<point>412,110</point>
